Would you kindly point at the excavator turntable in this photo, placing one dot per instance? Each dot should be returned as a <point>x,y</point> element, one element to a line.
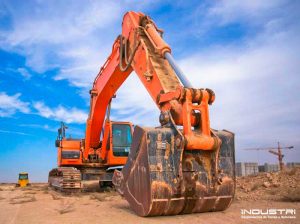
<point>182,166</point>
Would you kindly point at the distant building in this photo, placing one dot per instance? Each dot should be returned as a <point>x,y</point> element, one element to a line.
<point>291,165</point>
<point>275,167</point>
<point>269,168</point>
<point>245,169</point>
<point>261,168</point>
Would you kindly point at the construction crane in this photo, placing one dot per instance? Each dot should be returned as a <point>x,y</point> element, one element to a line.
<point>278,153</point>
<point>183,166</point>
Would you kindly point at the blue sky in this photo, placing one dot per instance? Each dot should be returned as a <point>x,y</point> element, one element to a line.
<point>50,52</point>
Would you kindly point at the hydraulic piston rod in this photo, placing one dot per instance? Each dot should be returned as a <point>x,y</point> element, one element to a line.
<point>185,82</point>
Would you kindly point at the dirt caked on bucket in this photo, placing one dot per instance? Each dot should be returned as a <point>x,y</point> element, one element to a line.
<point>162,178</point>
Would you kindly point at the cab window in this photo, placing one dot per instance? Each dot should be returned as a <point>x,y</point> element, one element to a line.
<point>122,139</point>
<point>23,176</point>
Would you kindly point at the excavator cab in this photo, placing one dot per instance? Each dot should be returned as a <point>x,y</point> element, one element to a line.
<point>114,148</point>
<point>121,139</point>
<point>109,155</point>
<point>116,142</point>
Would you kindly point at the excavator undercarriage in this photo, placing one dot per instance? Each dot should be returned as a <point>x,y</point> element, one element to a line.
<point>74,180</point>
<point>66,179</point>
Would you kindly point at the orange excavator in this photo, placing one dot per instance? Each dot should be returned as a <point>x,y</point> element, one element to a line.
<point>183,166</point>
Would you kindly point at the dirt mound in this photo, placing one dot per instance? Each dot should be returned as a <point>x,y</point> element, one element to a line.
<point>282,186</point>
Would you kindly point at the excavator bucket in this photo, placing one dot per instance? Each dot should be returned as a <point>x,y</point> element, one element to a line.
<point>162,178</point>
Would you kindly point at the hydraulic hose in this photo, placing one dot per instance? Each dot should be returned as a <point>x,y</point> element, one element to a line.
<point>127,61</point>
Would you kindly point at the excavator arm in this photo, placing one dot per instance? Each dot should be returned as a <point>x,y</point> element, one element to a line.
<point>183,166</point>
<point>142,49</point>
<point>107,82</point>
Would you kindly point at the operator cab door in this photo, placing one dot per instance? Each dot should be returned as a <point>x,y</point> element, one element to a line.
<point>117,142</point>
<point>121,139</point>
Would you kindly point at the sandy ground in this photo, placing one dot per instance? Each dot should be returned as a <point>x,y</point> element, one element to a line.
<point>38,204</point>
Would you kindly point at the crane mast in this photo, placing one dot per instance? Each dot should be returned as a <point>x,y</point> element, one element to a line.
<point>277,151</point>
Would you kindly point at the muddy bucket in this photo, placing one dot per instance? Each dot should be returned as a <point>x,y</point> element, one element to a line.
<point>161,178</point>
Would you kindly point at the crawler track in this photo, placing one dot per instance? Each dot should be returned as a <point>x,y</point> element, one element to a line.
<point>65,179</point>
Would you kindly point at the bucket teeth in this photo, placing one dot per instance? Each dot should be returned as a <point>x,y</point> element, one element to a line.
<point>161,178</point>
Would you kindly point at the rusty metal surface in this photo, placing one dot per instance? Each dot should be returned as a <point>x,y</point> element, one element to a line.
<point>161,178</point>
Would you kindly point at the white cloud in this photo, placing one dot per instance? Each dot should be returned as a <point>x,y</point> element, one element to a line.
<point>245,18</point>
<point>24,72</point>
<point>9,105</point>
<point>133,103</point>
<point>59,23</point>
<point>84,65</point>
<point>14,132</point>
<point>40,126</point>
<point>72,36</point>
<point>82,41</point>
<point>49,29</point>
<point>60,113</point>
<point>247,10</point>
<point>263,56</point>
